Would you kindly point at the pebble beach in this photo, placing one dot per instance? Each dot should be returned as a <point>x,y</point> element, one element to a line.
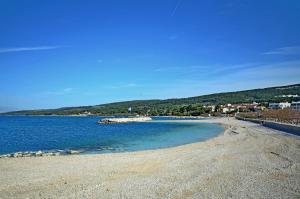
<point>246,161</point>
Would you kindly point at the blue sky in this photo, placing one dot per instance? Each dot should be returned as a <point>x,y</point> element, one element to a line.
<point>67,53</point>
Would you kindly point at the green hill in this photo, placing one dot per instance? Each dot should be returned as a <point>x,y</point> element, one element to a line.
<point>177,106</point>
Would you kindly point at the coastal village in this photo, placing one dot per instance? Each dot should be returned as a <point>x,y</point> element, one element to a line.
<point>233,108</point>
<point>254,107</point>
<point>220,109</point>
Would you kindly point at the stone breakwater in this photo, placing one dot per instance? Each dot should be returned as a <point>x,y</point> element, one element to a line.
<point>181,117</point>
<point>39,153</point>
<point>124,120</point>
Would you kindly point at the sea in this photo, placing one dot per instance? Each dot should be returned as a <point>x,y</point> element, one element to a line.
<point>48,133</point>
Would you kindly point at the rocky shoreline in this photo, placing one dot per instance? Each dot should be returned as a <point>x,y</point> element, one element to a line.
<point>58,152</point>
<point>40,153</point>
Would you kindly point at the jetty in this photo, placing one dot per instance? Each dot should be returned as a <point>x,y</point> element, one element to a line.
<point>123,120</point>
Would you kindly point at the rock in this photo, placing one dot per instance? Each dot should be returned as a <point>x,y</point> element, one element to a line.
<point>18,154</point>
<point>72,152</point>
<point>5,156</point>
<point>124,120</point>
<point>48,154</point>
<point>39,153</point>
<point>27,154</point>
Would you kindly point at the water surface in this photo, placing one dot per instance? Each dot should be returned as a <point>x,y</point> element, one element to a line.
<point>33,133</point>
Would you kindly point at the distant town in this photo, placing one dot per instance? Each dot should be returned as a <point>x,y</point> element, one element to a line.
<point>254,107</point>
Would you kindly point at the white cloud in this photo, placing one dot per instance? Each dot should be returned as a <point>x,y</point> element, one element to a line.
<point>235,75</point>
<point>7,50</point>
<point>176,7</point>
<point>287,69</point>
<point>289,50</point>
<point>126,85</point>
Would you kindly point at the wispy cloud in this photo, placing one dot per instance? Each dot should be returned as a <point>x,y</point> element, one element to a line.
<point>176,7</point>
<point>234,77</point>
<point>64,91</point>
<point>289,50</point>
<point>20,49</point>
<point>250,72</point>
<point>286,69</point>
<point>205,69</point>
<point>125,85</point>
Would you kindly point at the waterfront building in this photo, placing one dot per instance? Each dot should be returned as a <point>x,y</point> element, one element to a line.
<point>280,105</point>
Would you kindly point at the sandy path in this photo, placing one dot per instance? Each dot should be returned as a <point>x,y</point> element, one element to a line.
<point>248,161</point>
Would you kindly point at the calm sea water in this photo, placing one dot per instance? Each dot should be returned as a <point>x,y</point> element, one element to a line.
<point>33,133</point>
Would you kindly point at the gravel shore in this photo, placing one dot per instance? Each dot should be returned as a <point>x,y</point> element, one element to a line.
<point>247,161</point>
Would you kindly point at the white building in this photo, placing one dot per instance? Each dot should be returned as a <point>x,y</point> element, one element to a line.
<point>288,96</point>
<point>225,110</point>
<point>295,106</point>
<point>280,105</point>
<point>283,105</point>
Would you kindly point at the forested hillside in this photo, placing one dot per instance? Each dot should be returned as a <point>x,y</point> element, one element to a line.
<point>180,106</point>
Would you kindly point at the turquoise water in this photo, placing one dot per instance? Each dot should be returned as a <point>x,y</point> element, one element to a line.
<point>33,133</point>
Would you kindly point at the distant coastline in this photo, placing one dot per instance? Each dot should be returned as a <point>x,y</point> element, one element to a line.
<point>191,106</point>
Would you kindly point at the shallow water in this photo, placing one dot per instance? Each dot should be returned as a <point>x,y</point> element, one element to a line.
<point>33,133</point>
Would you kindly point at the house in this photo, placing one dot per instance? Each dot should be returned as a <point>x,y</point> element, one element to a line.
<point>212,108</point>
<point>225,110</point>
<point>280,105</point>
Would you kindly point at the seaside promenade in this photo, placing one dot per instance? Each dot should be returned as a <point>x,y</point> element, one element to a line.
<point>246,161</point>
